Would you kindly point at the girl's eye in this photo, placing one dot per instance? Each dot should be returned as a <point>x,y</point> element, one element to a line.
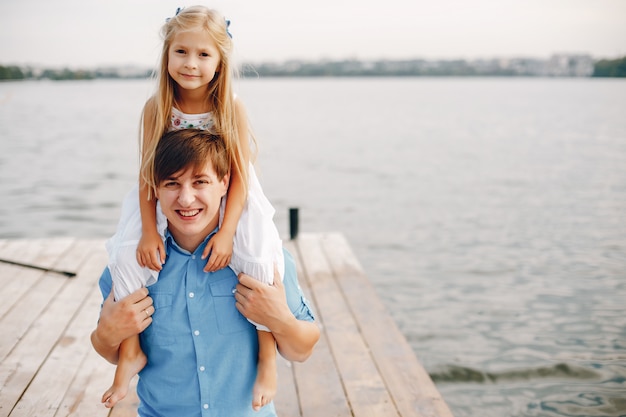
<point>204,54</point>
<point>170,184</point>
<point>180,51</point>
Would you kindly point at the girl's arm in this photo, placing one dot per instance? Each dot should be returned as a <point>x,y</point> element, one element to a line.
<point>221,244</point>
<point>150,249</point>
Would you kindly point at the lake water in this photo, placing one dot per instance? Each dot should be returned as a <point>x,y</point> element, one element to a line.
<point>489,213</point>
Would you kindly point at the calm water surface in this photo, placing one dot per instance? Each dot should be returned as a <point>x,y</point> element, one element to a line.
<point>489,213</point>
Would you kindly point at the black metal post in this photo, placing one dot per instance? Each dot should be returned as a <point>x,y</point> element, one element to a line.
<point>293,222</point>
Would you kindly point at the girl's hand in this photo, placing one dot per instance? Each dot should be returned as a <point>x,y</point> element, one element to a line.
<point>220,246</point>
<point>151,251</point>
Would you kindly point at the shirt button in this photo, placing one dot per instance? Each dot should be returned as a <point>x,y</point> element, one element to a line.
<point>205,406</point>
<point>191,295</point>
<point>196,332</point>
<point>202,369</point>
<point>193,256</point>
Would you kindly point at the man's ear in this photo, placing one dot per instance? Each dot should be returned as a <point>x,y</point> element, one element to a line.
<point>226,182</point>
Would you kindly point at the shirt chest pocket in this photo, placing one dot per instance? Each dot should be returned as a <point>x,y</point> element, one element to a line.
<point>229,319</point>
<point>159,333</point>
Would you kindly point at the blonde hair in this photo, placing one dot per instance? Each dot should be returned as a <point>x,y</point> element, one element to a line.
<point>220,95</point>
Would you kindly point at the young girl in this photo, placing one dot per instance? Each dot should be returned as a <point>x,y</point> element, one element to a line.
<point>194,91</point>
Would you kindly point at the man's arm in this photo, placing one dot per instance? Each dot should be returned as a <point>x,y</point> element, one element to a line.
<point>120,320</point>
<point>267,305</point>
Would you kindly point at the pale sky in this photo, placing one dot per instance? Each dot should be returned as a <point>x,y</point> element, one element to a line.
<point>92,33</point>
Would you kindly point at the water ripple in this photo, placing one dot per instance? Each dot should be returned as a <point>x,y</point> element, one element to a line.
<point>456,373</point>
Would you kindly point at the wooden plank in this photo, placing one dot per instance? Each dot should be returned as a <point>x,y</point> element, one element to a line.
<point>17,281</point>
<point>317,380</point>
<point>413,391</point>
<point>59,386</point>
<point>84,394</point>
<point>28,355</point>
<point>364,387</point>
<point>362,365</point>
<point>48,246</point>
<point>83,397</point>
<point>286,400</point>
<point>28,309</point>
<point>28,292</point>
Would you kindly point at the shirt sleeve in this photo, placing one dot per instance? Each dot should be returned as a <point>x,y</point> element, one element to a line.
<point>105,283</point>
<point>298,304</point>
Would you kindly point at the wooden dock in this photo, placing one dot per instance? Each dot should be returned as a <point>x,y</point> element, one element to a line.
<point>362,365</point>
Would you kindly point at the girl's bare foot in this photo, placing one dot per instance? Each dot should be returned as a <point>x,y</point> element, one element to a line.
<point>128,366</point>
<point>265,385</point>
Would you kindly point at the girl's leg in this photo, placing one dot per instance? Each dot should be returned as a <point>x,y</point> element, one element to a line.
<point>267,379</point>
<point>131,361</point>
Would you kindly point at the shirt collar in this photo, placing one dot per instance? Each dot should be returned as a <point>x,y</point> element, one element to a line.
<point>170,243</point>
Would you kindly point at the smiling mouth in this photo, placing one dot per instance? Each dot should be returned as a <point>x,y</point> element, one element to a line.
<point>188,213</point>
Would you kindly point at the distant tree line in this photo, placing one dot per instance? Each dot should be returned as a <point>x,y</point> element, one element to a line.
<point>355,68</point>
<point>610,68</point>
<point>13,73</point>
<point>350,68</point>
<point>17,73</point>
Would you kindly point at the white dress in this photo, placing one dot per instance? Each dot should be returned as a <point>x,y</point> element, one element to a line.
<point>257,246</point>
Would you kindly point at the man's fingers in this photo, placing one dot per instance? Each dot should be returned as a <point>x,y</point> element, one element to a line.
<point>138,295</point>
<point>144,304</point>
<point>148,312</point>
<point>247,280</point>
<point>277,281</point>
<point>111,297</point>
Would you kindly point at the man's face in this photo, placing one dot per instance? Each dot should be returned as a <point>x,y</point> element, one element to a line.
<point>190,199</point>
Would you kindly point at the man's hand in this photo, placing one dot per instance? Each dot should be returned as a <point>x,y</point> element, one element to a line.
<point>120,320</point>
<point>262,303</point>
<point>267,305</point>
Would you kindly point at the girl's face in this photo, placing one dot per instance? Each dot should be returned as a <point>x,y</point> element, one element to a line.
<point>193,59</point>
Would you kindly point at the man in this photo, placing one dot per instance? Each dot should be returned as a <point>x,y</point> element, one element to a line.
<point>201,350</point>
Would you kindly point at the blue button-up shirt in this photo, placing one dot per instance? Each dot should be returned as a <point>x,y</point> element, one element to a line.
<point>202,353</point>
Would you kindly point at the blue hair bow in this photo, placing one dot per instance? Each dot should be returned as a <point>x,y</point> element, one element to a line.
<point>227,25</point>
<point>178,10</point>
